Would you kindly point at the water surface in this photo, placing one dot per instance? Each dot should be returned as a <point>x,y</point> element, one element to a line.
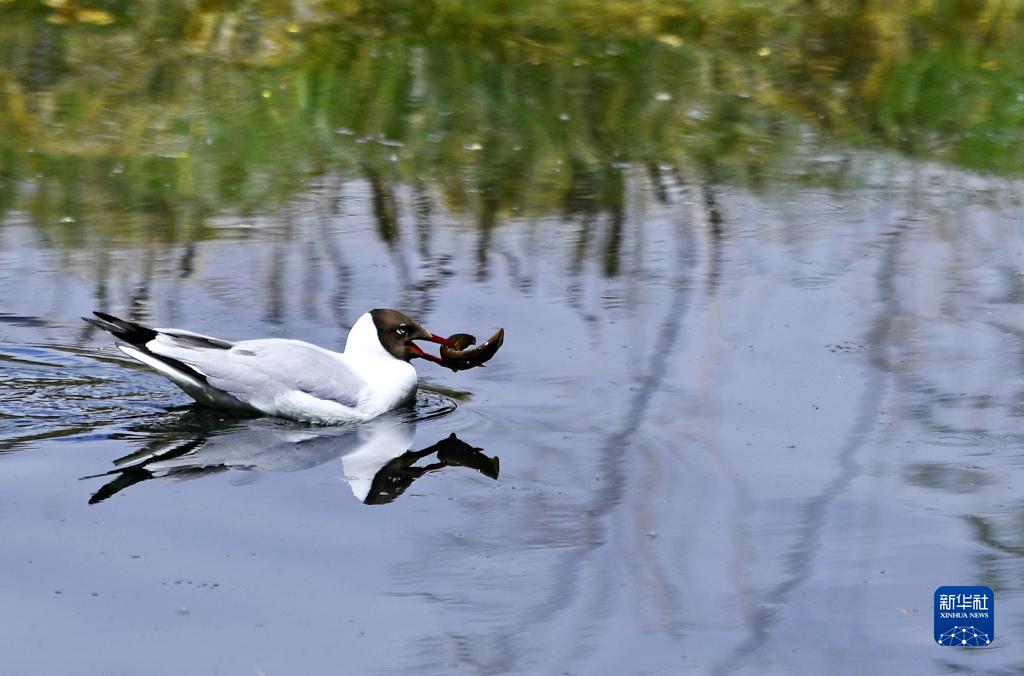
<point>760,392</point>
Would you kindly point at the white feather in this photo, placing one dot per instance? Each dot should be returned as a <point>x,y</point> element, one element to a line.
<point>287,378</point>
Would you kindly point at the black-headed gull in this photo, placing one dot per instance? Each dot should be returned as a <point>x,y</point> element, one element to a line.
<point>287,378</point>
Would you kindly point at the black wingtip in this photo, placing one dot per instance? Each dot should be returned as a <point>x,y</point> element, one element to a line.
<point>129,332</point>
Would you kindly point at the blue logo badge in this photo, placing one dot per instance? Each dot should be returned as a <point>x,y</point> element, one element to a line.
<point>965,616</point>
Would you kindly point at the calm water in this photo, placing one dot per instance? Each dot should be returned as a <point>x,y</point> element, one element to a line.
<point>758,448</point>
<point>762,281</point>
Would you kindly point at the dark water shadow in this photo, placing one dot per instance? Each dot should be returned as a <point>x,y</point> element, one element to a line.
<point>378,464</point>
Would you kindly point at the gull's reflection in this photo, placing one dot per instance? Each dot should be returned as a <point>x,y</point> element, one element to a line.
<point>377,463</point>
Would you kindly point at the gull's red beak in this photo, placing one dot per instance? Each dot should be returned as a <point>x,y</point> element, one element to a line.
<point>434,338</point>
<point>429,357</point>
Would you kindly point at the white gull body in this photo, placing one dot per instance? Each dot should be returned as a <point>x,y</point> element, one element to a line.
<point>279,377</point>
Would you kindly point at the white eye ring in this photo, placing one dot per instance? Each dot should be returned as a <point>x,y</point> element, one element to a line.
<point>401,330</point>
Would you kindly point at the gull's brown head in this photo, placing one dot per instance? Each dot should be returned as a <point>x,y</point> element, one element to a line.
<point>397,331</point>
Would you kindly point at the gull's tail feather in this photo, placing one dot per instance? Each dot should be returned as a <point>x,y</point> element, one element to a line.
<point>129,332</point>
<point>149,346</point>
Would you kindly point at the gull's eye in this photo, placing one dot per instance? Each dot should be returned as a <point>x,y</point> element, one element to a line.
<point>402,330</point>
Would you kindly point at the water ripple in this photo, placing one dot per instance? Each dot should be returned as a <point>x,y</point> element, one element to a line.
<point>54,392</point>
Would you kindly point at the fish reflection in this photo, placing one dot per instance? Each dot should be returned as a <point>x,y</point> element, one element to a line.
<point>377,463</point>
